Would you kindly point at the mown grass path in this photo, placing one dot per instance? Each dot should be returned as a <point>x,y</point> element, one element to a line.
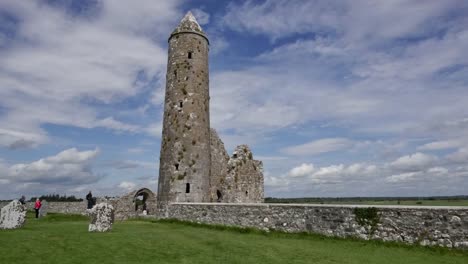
<point>64,239</point>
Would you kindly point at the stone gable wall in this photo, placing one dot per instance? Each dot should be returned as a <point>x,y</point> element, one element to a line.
<point>235,179</point>
<point>443,226</point>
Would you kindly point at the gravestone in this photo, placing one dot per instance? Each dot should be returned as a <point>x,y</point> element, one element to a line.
<point>102,217</point>
<point>13,215</point>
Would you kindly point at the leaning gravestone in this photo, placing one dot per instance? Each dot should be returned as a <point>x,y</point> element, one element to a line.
<point>13,215</point>
<point>102,217</point>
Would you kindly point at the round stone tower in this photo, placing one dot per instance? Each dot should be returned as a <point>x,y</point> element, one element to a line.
<point>185,161</point>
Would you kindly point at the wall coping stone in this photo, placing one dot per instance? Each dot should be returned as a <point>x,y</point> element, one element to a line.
<point>332,205</point>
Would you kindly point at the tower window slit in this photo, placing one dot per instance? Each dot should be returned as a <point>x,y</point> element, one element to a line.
<point>181,104</point>
<point>175,73</point>
<point>187,188</point>
<point>190,54</point>
<point>176,166</point>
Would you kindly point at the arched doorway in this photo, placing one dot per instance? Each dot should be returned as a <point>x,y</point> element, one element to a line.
<point>140,200</point>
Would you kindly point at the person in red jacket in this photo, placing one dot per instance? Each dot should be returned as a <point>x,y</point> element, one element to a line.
<point>37,206</point>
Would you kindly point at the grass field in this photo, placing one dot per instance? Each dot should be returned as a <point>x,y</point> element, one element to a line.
<point>64,239</point>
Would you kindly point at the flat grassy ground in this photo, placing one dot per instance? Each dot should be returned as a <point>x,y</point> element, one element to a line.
<point>64,239</point>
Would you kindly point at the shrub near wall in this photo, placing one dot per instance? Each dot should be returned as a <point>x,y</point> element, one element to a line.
<point>443,226</point>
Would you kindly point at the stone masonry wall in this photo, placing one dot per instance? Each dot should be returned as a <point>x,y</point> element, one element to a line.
<point>58,207</point>
<point>219,167</point>
<point>235,179</point>
<point>244,180</point>
<point>443,226</point>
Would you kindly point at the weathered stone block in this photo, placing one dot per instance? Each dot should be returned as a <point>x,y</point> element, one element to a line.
<point>13,215</point>
<point>102,218</point>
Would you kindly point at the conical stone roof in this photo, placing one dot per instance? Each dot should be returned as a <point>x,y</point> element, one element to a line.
<point>189,24</point>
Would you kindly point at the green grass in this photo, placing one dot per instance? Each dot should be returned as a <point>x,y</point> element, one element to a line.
<point>64,239</point>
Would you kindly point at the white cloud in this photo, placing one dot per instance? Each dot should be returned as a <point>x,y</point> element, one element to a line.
<point>302,170</point>
<point>136,150</point>
<point>67,167</point>
<point>111,123</point>
<point>438,145</point>
<point>357,20</point>
<point>202,17</point>
<point>128,186</point>
<point>416,161</point>
<point>59,66</point>
<point>73,156</point>
<point>130,164</point>
<point>308,173</point>
<point>461,155</point>
<point>342,75</point>
<point>319,146</point>
<point>370,71</point>
<point>365,180</point>
<point>155,129</point>
<point>403,177</point>
<point>438,171</point>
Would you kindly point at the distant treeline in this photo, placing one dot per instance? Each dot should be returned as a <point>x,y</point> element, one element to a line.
<point>361,199</point>
<point>57,198</point>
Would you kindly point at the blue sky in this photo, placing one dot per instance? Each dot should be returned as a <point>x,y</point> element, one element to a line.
<point>338,98</point>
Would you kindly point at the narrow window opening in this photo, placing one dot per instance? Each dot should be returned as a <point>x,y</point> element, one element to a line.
<point>187,188</point>
<point>246,193</point>
<point>219,195</point>
<point>181,104</point>
<point>190,55</point>
<point>175,73</point>
<point>176,166</point>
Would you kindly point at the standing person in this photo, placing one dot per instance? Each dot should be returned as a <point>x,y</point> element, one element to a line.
<point>89,198</point>
<point>22,200</point>
<point>37,206</point>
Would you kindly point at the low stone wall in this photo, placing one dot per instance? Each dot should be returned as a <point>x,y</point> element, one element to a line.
<point>58,207</point>
<point>443,226</point>
<point>62,207</point>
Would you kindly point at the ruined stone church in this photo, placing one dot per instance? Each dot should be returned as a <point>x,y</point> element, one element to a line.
<point>194,164</point>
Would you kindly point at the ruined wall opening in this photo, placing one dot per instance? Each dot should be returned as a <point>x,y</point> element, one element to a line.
<point>176,166</point>
<point>187,188</point>
<point>219,196</point>
<point>140,202</point>
<point>181,104</point>
<point>190,55</point>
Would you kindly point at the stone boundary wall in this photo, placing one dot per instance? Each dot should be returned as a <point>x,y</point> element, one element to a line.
<point>442,225</point>
<point>58,207</point>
